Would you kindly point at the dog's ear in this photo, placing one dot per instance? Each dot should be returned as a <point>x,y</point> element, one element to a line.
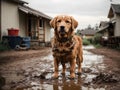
<point>53,22</point>
<point>74,23</point>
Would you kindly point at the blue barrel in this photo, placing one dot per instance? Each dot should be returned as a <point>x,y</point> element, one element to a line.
<point>26,41</point>
<point>12,40</point>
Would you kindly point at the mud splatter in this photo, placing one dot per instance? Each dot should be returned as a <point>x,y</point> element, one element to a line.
<point>35,73</point>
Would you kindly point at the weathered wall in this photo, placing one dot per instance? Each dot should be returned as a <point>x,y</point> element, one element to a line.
<point>117,26</point>
<point>0,19</point>
<point>9,16</point>
<point>47,31</point>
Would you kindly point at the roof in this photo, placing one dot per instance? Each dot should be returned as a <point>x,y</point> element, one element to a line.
<point>88,32</point>
<point>115,8</point>
<point>19,1</point>
<point>29,10</point>
<point>105,26</point>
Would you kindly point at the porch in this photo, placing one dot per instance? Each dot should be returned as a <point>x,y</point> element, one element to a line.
<point>34,24</point>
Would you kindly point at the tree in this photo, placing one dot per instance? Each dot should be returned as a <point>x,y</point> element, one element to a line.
<point>78,32</point>
<point>96,27</point>
<point>89,27</point>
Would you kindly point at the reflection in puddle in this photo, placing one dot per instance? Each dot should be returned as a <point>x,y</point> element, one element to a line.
<point>92,61</point>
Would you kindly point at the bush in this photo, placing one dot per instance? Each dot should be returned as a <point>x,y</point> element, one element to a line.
<point>86,42</point>
<point>97,38</point>
<point>97,45</point>
<point>4,47</point>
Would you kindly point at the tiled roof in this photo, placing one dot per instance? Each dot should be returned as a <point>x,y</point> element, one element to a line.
<point>116,8</point>
<point>19,1</point>
<point>88,32</point>
<point>29,10</point>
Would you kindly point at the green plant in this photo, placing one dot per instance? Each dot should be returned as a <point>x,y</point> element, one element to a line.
<point>97,45</point>
<point>86,42</point>
<point>4,47</point>
<point>97,38</point>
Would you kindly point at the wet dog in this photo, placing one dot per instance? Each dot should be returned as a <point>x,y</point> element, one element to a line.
<point>66,46</point>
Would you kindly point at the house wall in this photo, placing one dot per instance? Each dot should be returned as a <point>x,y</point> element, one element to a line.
<point>9,16</point>
<point>22,24</point>
<point>0,19</point>
<point>113,18</point>
<point>117,26</point>
<point>47,31</point>
<point>88,36</point>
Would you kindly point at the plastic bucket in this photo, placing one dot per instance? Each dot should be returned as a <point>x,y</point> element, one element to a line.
<point>13,32</point>
<point>26,41</point>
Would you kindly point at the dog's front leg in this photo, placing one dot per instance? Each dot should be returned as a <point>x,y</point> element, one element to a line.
<point>72,68</point>
<point>56,63</point>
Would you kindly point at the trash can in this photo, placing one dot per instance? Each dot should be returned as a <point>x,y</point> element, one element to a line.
<point>26,41</point>
<point>12,40</point>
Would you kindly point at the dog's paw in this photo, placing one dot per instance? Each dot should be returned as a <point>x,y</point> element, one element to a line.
<point>55,76</point>
<point>72,75</point>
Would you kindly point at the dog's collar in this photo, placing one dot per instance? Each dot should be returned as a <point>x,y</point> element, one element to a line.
<point>69,44</point>
<point>63,40</point>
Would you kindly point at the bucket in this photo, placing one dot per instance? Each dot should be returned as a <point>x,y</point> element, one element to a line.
<point>13,32</point>
<point>26,41</point>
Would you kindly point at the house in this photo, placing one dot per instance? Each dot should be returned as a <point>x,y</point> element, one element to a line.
<point>113,26</point>
<point>87,33</point>
<point>114,16</point>
<point>111,30</point>
<point>30,22</point>
<point>103,28</point>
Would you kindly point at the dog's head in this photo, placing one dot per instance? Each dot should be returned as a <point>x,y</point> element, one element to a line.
<point>63,25</point>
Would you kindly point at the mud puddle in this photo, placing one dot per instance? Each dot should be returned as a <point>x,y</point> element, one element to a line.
<point>35,74</point>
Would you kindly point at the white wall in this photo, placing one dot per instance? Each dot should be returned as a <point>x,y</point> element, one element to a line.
<point>9,16</point>
<point>117,26</point>
<point>47,31</point>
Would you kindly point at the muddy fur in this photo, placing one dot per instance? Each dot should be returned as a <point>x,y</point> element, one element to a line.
<point>66,47</point>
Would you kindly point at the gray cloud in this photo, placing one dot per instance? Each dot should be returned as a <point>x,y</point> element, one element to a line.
<point>83,7</point>
<point>94,9</point>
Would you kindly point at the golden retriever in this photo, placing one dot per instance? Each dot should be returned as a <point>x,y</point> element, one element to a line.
<point>66,46</point>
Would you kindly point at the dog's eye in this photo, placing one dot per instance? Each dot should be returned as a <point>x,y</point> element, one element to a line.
<point>67,21</point>
<point>59,21</point>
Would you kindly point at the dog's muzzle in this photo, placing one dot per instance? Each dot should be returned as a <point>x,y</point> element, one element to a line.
<point>62,30</point>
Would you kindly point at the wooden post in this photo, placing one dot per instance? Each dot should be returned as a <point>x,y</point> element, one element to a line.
<point>44,30</point>
<point>38,28</point>
<point>27,31</point>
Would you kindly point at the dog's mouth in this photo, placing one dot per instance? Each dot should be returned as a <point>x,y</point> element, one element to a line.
<point>62,34</point>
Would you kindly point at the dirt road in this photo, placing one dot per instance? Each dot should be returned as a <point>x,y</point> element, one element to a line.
<point>32,70</point>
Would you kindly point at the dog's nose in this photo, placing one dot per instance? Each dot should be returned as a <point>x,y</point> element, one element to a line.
<point>62,28</point>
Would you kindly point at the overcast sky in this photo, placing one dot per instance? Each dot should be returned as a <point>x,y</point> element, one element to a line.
<point>84,11</point>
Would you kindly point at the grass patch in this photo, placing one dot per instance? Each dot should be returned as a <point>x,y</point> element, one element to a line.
<point>97,45</point>
<point>86,42</point>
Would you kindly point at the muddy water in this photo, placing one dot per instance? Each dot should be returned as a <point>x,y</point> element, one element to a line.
<point>35,74</point>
